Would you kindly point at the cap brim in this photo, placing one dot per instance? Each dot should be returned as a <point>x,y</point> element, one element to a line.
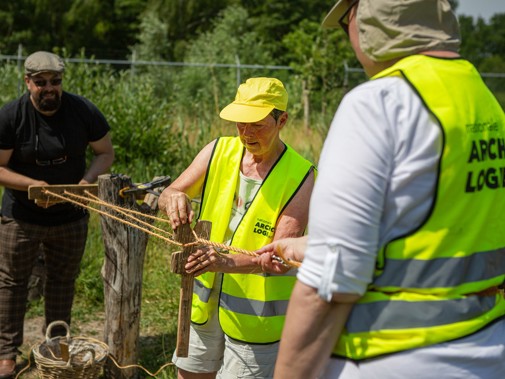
<point>35,73</point>
<point>334,15</point>
<point>245,113</point>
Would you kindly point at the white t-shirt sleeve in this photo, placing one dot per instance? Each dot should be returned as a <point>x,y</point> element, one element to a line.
<point>376,179</point>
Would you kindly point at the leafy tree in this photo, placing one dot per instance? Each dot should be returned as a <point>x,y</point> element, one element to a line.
<point>104,27</point>
<point>35,24</point>
<point>184,20</point>
<point>232,37</point>
<point>496,44</point>
<point>493,64</point>
<point>470,46</point>
<point>483,43</point>
<point>152,31</point>
<point>317,57</point>
<point>274,19</point>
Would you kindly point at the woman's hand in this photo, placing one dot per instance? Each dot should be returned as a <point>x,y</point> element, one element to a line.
<point>177,206</point>
<point>205,260</point>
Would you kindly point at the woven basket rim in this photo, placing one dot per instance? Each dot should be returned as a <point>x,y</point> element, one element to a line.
<point>99,350</point>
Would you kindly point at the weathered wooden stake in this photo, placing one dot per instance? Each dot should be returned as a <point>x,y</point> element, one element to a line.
<point>185,235</point>
<point>122,275</point>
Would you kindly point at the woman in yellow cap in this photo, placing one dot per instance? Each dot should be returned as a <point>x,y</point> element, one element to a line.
<point>254,189</point>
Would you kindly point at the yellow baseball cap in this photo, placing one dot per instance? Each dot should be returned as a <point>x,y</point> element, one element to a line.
<point>255,99</point>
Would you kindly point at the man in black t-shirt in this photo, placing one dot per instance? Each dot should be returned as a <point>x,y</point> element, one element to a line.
<point>44,136</point>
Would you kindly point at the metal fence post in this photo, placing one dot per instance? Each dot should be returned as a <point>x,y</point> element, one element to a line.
<point>237,60</point>
<point>132,68</point>
<point>20,74</point>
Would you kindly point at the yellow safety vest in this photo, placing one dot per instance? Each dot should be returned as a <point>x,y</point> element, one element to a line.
<point>252,307</point>
<point>430,286</point>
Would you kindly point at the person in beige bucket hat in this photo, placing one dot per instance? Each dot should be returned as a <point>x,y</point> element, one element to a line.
<point>391,29</point>
<point>254,189</point>
<point>405,253</point>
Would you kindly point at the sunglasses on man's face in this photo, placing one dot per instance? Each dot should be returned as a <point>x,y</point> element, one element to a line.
<point>344,20</point>
<point>43,82</point>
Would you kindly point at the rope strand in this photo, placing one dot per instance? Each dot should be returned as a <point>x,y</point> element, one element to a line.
<point>110,356</point>
<point>130,213</point>
<point>83,201</point>
<point>115,218</point>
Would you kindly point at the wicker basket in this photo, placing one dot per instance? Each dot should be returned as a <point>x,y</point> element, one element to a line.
<point>86,356</point>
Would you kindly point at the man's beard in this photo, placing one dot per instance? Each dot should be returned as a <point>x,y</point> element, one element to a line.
<point>48,105</point>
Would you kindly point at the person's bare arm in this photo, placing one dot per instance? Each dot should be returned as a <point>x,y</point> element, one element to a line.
<point>312,328</point>
<point>291,223</point>
<point>13,180</point>
<point>104,156</point>
<point>285,244</point>
<point>175,200</point>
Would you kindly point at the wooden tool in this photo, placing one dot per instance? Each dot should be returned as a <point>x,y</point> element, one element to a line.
<point>38,193</point>
<point>184,235</point>
<point>64,351</point>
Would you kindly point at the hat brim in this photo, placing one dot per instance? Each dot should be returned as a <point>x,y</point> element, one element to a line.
<point>35,73</point>
<point>334,15</point>
<point>245,113</point>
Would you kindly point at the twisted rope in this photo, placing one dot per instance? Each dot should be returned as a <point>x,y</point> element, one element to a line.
<point>110,356</point>
<point>139,223</point>
<point>83,201</point>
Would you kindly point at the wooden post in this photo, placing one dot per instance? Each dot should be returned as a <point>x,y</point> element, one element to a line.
<point>122,275</point>
<point>185,235</point>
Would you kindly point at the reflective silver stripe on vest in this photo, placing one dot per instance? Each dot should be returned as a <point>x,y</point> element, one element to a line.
<point>423,314</point>
<point>441,272</point>
<point>253,307</point>
<point>201,291</point>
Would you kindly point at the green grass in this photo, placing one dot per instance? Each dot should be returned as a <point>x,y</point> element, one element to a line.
<point>160,307</point>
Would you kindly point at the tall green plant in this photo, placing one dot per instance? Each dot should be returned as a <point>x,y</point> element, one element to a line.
<point>13,85</point>
<point>146,143</point>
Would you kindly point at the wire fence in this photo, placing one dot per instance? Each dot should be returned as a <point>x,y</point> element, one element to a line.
<point>352,76</point>
<point>238,66</point>
<point>133,63</point>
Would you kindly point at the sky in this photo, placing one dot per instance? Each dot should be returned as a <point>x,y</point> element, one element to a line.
<point>481,8</point>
